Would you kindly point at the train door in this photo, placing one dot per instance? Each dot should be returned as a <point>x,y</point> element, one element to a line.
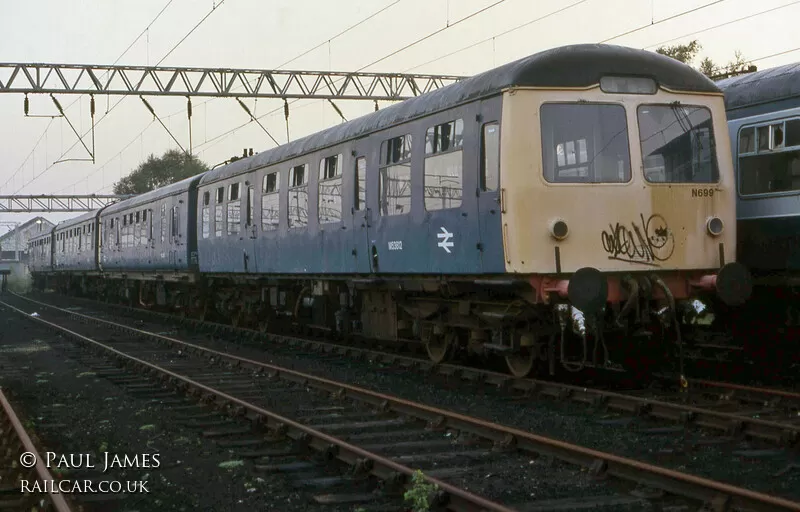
<point>361,213</point>
<point>250,232</point>
<point>176,237</point>
<point>489,187</point>
<point>99,242</point>
<point>151,241</point>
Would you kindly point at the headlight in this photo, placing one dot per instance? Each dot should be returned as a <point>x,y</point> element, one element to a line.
<point>559,229</point>
<point>715,226</point>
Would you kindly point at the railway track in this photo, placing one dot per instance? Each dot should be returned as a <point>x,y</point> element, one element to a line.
<point>451,448</point>
<point>17,451</point>
<point>730,411</point>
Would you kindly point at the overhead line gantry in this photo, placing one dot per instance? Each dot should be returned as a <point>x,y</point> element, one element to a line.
<point>57,204</point>
<point>215,82</point>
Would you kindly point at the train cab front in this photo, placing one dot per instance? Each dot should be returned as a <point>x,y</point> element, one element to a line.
<point>619,195</point>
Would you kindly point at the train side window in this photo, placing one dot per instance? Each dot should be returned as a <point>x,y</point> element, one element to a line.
<point>772,164</point>
<point>584,143</point>
<point>219,212</point>
<point>490,156</point>
<point>443,166</point>
<point>175,222</point>
<point>298,196</point>
<point>394,193</point>
<point>150,227</point>
<point>233,192</point>
<point>234,209</point>
<point>767,173</point>
<point>747,140</point>
<point>763,137</point>
<point>270,201</point>
<point>163,223</point>
<point>329,200</point>
<point>444,137</point>
<point>205,215</point>
<point>250,206</point>
<point>143,229</point>
<point>792,133</point>
<point>360,184</point>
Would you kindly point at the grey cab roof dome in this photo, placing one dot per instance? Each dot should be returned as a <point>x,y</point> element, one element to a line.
<point>580,65</point>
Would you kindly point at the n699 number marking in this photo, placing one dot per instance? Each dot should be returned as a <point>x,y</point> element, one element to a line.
<point>702,192</point>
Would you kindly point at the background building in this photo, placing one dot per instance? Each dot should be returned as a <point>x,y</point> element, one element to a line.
<point>14,243</point>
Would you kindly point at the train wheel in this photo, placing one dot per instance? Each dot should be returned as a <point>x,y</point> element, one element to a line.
<point>521,363</point>
<point>439,346</point>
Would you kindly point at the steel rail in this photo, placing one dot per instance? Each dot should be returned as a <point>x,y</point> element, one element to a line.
<point>42,473</point>
<point>682,484</point>
<point>729,423</point>
<point>764,393</point>
<point>380,466</point>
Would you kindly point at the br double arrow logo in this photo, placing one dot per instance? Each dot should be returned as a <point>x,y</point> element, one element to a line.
<point>445,237</point>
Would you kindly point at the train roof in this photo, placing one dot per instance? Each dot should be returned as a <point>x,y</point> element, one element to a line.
<point>64,224</point>
<point>575,66</point>
<point>763,91</point>
<point>152,196</point>
<point>44,234</point>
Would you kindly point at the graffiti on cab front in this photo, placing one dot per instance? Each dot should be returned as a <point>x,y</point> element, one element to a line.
<point>648,242</point>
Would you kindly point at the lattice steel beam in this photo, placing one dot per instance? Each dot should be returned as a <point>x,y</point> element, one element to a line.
<point>43,203</point>
<point>253,83</point>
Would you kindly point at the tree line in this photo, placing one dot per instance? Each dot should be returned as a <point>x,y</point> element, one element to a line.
<point>687,53</point>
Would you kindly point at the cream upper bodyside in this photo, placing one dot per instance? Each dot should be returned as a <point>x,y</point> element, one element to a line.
<point>601,216</point>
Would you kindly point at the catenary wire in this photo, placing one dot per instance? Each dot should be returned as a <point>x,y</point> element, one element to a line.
<point>395,52</point>
<point>306,52</point>
<point>157,16</point>
<point>663,20</point>
<point>341,33</point>
<point>105,115</point>
<point>527,23</point>
<point>743,18</point>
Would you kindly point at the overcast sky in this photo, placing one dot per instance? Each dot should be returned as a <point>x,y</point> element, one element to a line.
<point>270,33</point>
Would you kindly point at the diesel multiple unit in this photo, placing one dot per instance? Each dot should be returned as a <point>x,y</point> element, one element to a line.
<point>558,211</point>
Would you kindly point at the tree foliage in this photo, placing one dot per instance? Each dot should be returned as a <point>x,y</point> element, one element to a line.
<point>682,52</point>
<point>156,172</point>
<point>686,53</point>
